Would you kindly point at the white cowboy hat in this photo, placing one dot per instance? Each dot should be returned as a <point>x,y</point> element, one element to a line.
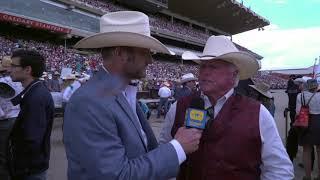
<point>70,77</point>
<point>262,88</point>
<point>221,48</point>
<point>188,77</point>
<point>124,28</point>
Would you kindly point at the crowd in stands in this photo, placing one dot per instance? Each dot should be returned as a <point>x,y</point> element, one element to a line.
<point>156,21</point>
<point>274,81</point>
<point>58,57</point>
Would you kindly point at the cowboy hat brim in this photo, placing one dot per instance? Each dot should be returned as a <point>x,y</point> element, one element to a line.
<point>246,64</point>
<point>188,79</point>
<point>6,91</point>
<point>266,94</point>
<point>130,39</point>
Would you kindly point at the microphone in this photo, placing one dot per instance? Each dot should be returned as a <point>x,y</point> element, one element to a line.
<point>196,115</point>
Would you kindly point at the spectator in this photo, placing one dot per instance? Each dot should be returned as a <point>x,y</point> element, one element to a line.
<point>311,136</point>
<point>30,137</point>
<point>165,94</point>
<point>8,114</point>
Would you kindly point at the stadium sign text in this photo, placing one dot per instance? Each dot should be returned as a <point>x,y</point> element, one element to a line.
<point>32,23</point>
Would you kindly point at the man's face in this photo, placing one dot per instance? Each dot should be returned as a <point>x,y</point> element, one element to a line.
<point>216,76</point>
<point>136,63</point>
<point>17,72</point>
<point>191,84</point>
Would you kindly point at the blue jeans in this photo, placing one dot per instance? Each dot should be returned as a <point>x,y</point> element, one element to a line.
<point>163,102</point>
<point>39,176</point>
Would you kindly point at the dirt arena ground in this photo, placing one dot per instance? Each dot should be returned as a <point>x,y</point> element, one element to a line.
<point>58,162</point>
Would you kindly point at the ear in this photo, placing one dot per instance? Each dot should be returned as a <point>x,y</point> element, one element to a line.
<point>28,70</point>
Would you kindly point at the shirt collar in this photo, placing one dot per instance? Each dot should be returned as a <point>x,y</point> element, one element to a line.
<point>221,100</point>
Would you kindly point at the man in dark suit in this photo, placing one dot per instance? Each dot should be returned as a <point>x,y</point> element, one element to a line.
<point>29,147</point>
<point>106,134</point>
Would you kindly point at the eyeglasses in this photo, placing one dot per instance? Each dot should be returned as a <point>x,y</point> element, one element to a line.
<point>15,65</point>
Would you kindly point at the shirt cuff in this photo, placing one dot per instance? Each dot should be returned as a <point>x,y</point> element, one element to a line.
<point>179,150</point>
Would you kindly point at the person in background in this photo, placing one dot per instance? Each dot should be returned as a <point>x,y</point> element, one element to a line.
<point>54,83</point>
<point>311,136</point>
<point>188,82</point>
<point>71,88</point>
<point>292,90</point>
<point>8,114</point>
<point>29,140</point>
<point>243,87</point>
<point>164,94</point>
<point>261,92</point>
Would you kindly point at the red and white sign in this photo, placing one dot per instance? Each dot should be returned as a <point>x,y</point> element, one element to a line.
<point>32,23</point>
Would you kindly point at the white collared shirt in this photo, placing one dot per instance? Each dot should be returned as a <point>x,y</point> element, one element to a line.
<point>68,91</point>
<point>131,96</point>
<point>7,109</point>
<point>275,161</point>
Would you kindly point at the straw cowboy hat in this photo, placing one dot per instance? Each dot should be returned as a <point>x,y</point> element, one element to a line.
<point>262,88</point>
<point>312,84</point>
<point>124,28</point>
<point>70,77</point>
<point>221,48</point>
<point>56,73</point>
<point>188,77</point>
<point>5,63</point>
<point>6,91</point>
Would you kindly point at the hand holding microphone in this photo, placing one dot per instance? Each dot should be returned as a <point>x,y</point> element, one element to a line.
<point>189,136</point>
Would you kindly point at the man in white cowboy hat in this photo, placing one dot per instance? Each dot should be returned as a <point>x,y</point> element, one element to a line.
<point>261,92</point>
<point>54,83</point>
<point>8,113</point>
<point>106,134</point>
<point>188,83</point>
<point>241,140</point>
<point>71,88</point>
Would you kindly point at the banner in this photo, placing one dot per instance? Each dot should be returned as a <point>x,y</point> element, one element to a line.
<point>33,24</point>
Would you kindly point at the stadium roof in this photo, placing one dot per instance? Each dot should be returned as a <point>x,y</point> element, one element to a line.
<point>227,15</point>
<point>301,71</point>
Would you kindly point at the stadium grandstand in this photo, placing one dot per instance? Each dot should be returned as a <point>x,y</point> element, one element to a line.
<point>53,26</point>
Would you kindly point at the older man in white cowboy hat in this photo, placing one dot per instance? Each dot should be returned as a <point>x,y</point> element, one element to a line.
<point>106,134</point>
<point>188,83</point>
<point>241,140</point>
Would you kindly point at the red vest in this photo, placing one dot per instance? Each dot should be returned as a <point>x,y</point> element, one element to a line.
<point>230,148</point>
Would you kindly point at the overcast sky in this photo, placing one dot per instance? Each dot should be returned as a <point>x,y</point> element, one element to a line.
<point>293,38</point>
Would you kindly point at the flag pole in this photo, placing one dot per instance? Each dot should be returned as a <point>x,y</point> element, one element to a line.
<point>314,69</point>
